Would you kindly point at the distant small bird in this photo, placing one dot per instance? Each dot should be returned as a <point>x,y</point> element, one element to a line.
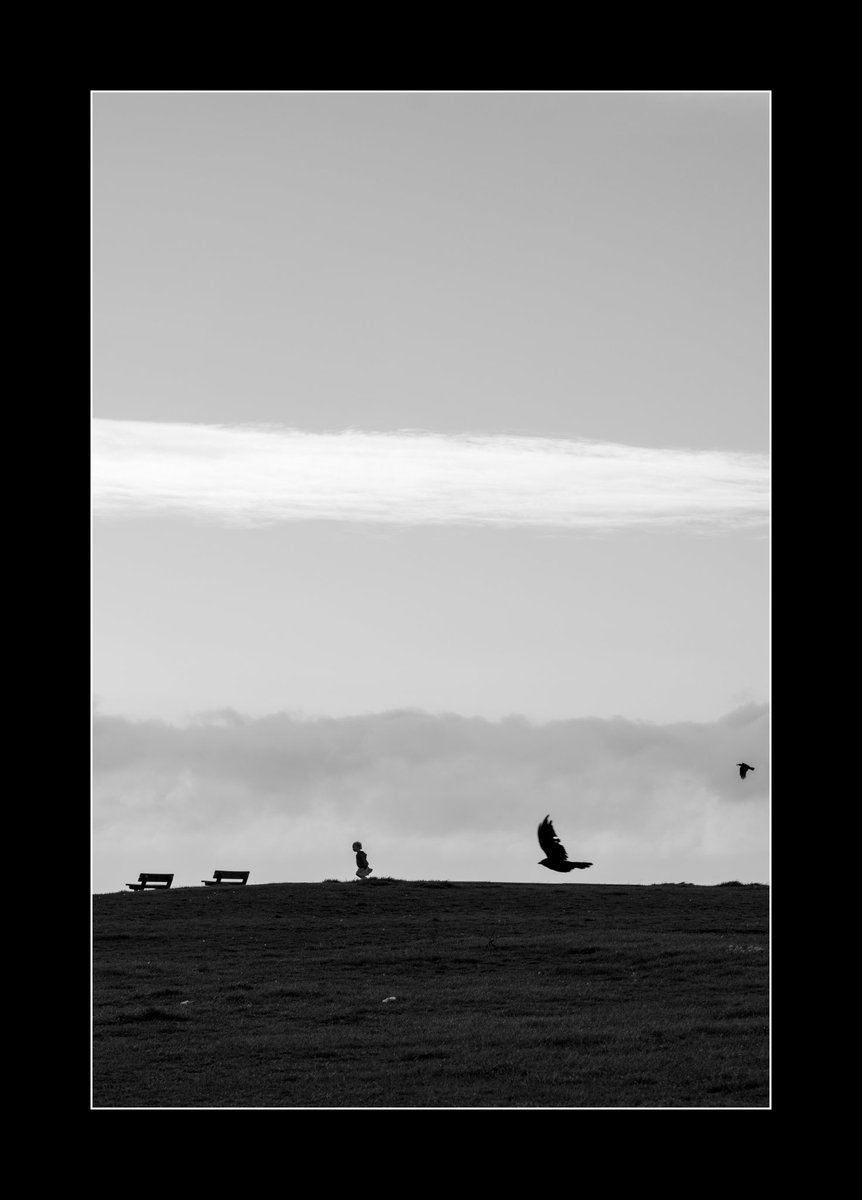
<point>743,769</point>
<point>556,858</point>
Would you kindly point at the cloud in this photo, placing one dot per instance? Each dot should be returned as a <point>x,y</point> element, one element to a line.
<point>242,475</point>
<point>462,793</point>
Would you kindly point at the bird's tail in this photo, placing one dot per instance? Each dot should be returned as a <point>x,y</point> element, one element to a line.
<point>581,865</point>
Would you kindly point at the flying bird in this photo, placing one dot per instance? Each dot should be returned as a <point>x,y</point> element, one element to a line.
<point>744,768</point>
<point>556,858</point>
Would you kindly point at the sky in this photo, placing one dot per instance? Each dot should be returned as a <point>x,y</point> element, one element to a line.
<point>430,484</point>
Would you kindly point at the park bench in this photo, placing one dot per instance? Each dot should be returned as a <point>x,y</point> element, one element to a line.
<point>234,877</point>
<point>148,880</point>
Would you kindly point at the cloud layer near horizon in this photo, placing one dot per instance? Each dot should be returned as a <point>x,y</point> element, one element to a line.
<point>460,794</point>
<point>243,475</point>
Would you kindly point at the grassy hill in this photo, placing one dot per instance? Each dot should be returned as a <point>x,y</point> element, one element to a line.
<point>408,994</point>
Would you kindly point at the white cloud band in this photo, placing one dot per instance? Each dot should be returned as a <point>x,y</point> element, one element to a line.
<point>249,475</point>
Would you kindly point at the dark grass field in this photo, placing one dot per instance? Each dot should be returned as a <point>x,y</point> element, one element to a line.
<point>426,994</point>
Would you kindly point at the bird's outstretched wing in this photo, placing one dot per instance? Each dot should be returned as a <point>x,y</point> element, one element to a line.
<point>550,843</point>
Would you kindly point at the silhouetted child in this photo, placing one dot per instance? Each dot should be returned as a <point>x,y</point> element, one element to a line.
<point>363,869</point>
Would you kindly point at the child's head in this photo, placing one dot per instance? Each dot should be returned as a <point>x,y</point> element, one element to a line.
<point>357,845</point>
